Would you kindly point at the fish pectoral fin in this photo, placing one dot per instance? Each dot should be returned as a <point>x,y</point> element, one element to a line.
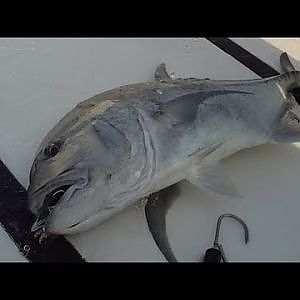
<point>161,73</point>
<point>213,179</point>
<point>156,210</point>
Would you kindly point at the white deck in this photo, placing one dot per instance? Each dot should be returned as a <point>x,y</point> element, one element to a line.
<point>42,79</point>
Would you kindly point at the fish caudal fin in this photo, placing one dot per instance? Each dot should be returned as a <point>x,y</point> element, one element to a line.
<point>285,63</point>
<point>287,81</point>
<point>291,77</point>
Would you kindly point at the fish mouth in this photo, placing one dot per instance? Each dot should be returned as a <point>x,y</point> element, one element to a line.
<point>51,200</point>
<point>46,198</point>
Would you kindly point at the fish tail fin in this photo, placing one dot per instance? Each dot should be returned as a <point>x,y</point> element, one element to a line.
<point>288,81</point>
<point>285,63</point>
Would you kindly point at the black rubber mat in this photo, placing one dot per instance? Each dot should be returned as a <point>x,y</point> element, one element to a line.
<point>17,220</point>
<point>249,60</point>
<point>244,57</point>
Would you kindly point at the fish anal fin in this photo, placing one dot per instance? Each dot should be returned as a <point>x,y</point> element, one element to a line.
<point>212,178</point>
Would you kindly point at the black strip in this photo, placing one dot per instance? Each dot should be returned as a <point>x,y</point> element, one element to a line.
<point>17,220</point>
<point>245,57</point>
<point>249,60</point>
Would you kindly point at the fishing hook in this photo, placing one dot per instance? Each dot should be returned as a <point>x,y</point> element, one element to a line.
<point>216,254</point>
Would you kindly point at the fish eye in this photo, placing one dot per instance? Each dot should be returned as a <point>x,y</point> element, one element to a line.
<point>51,150</point>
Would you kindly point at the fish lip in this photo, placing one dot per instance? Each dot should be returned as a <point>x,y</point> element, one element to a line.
<point>37,205</point>
<point>60,182</point>
<point>60,177</point>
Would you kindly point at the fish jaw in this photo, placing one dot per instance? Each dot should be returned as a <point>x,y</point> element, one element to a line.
<point>46,200</point>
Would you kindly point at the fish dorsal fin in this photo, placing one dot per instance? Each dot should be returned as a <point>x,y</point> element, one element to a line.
<point>161,73</point>
<point>212,178</point>
<point>285,63</point>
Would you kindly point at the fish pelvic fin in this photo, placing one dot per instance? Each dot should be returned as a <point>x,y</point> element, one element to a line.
<point>156,210</point>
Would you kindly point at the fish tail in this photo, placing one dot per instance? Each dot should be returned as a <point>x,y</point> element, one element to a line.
<point>288,81</point>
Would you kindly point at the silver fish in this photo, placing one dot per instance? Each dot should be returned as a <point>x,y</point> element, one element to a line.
<point>133,141</point>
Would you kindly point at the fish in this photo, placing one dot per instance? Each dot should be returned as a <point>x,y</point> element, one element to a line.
<point>140,140</point>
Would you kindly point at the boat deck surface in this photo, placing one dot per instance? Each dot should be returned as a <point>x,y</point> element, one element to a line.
<point>42,79</point>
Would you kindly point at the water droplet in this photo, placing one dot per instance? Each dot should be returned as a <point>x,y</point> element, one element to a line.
<point>172,75</point>
<point>159,92</point>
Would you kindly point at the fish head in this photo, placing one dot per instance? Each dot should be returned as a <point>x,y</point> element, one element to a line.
<point>63,177</point>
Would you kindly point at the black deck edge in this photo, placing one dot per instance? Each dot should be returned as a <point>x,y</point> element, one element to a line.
<point>244,57</point>
<point>249,60</point>
<point>16,219</point>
